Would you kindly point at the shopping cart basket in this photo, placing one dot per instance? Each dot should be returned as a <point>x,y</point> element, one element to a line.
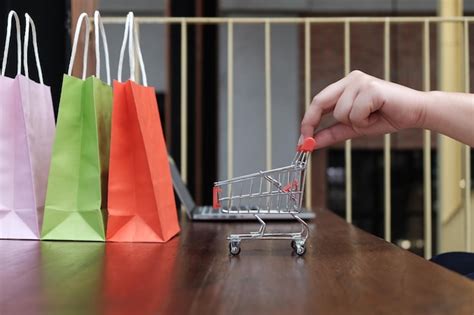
<point>276,191</point>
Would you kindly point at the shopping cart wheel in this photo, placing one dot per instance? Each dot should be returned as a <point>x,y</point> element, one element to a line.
<point>300,250</point>
<point>234,248</point>
<point>293,245</point>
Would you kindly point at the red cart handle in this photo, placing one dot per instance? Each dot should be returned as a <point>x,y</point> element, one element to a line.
<point>308,145</point>
<point>215,197</point>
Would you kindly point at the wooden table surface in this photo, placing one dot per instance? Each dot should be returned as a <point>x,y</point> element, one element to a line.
<point>344,271</point>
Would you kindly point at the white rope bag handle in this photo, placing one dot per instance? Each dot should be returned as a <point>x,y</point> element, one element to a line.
<point>11,15</point>
<point>99,26</point>
<point>134,51</point>
<point>29,22</point>
<point>82,17</point>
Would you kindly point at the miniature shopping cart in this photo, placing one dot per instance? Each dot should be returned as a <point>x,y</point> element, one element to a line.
<point>278,191</point>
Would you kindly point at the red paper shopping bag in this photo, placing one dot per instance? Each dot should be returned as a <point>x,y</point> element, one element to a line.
<point>141,205</point>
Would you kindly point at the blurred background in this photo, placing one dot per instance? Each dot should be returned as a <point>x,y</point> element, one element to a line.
<point>207,155</point>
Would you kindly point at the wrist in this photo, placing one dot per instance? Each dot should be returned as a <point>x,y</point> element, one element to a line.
<point>429,106</point>
<point>426,105</point>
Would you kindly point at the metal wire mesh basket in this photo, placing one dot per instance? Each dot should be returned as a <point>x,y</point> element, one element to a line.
<point>276,191</point>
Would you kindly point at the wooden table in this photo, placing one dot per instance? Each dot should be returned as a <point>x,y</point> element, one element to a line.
<point>344,271</point>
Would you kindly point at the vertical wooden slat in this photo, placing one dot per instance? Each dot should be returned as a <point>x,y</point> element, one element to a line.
<point>386,143</point>
<point>184,101</point>
<point>307,98</point>
<point>450,173</point>
<point>268,95</point>
<point>138,74</point>
<point>197,107</point>
<point>427,204</point>
<point>78,7</point>
<point>169,78</point>
<point>467,149</point>
<point>230,99</point>
<point>348,144</point>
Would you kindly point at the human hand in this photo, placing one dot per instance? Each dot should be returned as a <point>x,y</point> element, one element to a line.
<point>363,105</point>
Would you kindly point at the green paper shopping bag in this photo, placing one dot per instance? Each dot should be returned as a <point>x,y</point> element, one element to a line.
<point>77,186</point>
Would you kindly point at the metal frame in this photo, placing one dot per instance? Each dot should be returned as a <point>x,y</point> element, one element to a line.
<point>306,22</point>
<point>427,202</point>
<point>467,149</point>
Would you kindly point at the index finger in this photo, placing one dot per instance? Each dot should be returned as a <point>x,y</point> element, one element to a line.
<point>322,103</point>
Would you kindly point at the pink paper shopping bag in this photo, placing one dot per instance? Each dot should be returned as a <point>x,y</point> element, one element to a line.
<point>26,137</point>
